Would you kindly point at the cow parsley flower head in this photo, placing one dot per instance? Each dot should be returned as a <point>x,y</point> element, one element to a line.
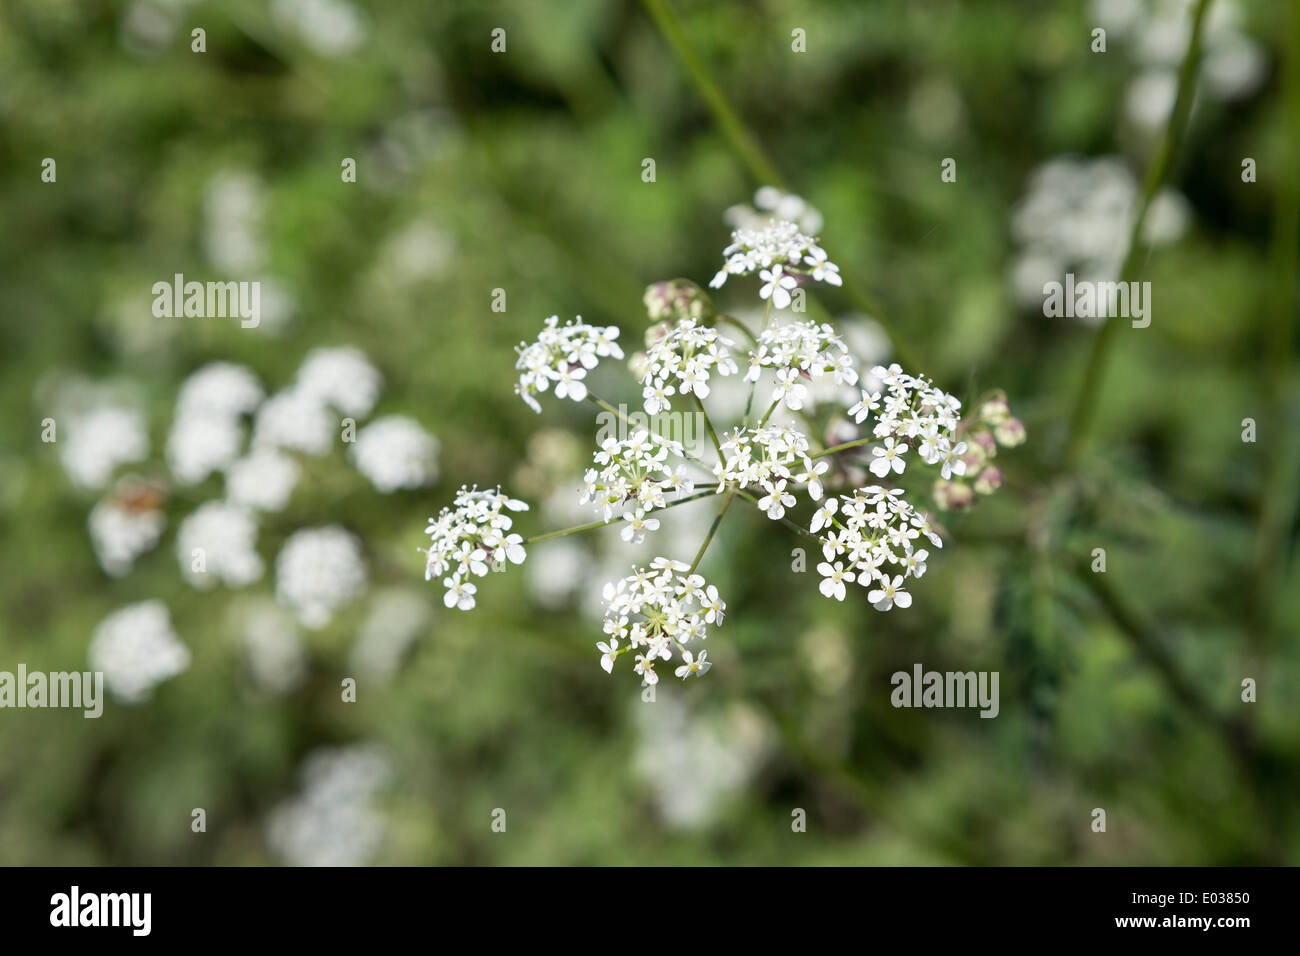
<point>655,613</point>
<point>263,480</point>
<point>220,390</point>
<point>778,252</point>
<point>867,535</point>
<point>340,377</point>
<point>395,453</point>
<point>137,649</point>
<point>634,473</point>
<point>468,537</point>
<point>317,571</point>
<point>771,457</point>
<point>681,361</point>
<point>126,524</point>
<point>217,543</point>
<point>911,414</point>
<point>99,440</point>
<point>801,352</point>
<point>563,355</point>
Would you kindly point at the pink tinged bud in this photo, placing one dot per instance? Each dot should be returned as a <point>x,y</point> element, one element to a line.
<point>1010,433</point>
<point>989,481</point>
<point>677,299</point>
<point>952,495</point>
<point>995,411</point>
<point>984,439</point>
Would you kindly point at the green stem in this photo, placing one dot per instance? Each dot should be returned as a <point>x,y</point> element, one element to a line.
<point>768,414</point>
<point>709,425</point>
<point>1089,397</point>
<point>732,127</point>
<point>751,154</point>
<point>731,320</point>
<point>699,555</point>
<point>848,444</point>
<point>593,525</point>
<point>785,521</point>
<point>595,399</point>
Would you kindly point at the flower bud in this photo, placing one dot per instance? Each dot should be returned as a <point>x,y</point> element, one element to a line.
<point>1010,433</point>
<point>988,481</point>
<point>995,410</point>
<point>676,299</point>
<point>952,495</point>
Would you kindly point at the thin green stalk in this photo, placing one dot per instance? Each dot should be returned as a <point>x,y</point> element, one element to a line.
<point>785,521</point>
<point>848,444</point>
<point>732,320</point>
<point>1089,396</point>
<point>709,425</point>
<point>593,525</point>
<point>750,152</point>
<point>768,414</point>
<point>699,555</point>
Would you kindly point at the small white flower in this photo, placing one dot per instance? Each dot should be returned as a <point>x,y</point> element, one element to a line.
<point>776,286</point>
<point>833,579</point>
<point>696,667</point>
<point>888,457</point>
<point>889,594</point>
<point>609,654</point>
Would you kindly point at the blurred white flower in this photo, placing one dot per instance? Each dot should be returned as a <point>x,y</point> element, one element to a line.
<point>294,420</point>
<point>329,27</point>
<point>263,480</point>
<point>693,764</point>
<point>394,453</point>
<point>200,444</point>
<point>318,571</point>
<point>396,618</point>
<point>95,442</point>
<point>333,821</point>
<point>137,649</point>
<point>126,524</point>
<point>221,389</point>
<point>217,543</point>
<point>232,236</point>
<point>341,377</point>
<point>270,644</point>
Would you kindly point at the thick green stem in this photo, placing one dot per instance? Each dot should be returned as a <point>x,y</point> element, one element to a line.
<point>1089,396</point>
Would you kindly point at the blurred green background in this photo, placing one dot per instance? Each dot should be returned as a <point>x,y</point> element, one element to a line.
<point>521,171</point>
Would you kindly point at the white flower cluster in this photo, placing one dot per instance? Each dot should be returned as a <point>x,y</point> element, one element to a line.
<point>1076,217</point>
<point>913,412</point>
<point>633,479</point>
<point>1233,65</point>
<point>466,537</point>
<point>219,541</point>
<point>680,362</point>
<point>801,351</point>
<point>126,524</point>
<point>137,649</point>
<point>206,433</point>
<point>334,820</point>
<point>395,453</point>
<point>97,441</point>
<point>871,530</point>
<point>563,355</point>
<point>778,252</point>
<point>656,611</point>
<point>771,457</point>
<point>318,571</point>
